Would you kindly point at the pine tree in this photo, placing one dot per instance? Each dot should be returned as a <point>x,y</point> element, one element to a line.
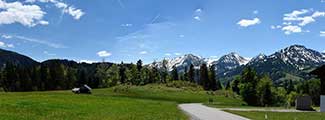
<point>154,75</point>
<point>102,75</point>
<point>235,85</point>
<point>122,73</point>
<point>264,91</point>
<point>185,75</point>
<point>139,65</point>
<point>164,71</point>
<point>132,75</point>
<point>191,73</point>
<point>145,76</point>
<point>175,73</point>
<point>204,77</point>
<point>248,86</point>
<point>113,75</point>
<point>212,79</point>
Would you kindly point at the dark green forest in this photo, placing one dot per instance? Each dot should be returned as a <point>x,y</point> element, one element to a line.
<point>255,89</point>
<point>64,74</point>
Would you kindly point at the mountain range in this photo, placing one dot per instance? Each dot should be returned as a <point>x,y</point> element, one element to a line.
<point>293,62</point>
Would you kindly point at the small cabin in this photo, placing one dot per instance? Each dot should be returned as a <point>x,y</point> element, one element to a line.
<point>304,103</point>
<point>85,89</point>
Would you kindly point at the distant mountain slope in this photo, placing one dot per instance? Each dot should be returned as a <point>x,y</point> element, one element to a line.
<point>15,58</point>
<point>229,62</point>
<point>225,63</point>
<point>292,62</point>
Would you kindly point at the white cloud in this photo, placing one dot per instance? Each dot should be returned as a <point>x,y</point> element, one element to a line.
<point>318,14</point>
<point>296,16</point>
<point>275,26</point>
<point>291,29</point>
<point>168,54</point>
<point>49,54</point>
<point>197,14</point>
<point>88,61</point>
<point>10,45</point>
<point>197,18</point>
<point>178,54</point>
<point>143,52</point>
<point>322,33</point>
<point>255,12</point>
<point>17,12</point>
<point>181,36</point>
<point>148,38</point>
<point>4,45</point>
<point>295,21</point>
<point>74,12</point>
<point>198,11</point>
<point>104,53</point>
<point>214,57</point>
<point>127,25</point>
<point>6,36</point>
<point>69,9</point>
<point>248,22</point>
<point>50,44</point>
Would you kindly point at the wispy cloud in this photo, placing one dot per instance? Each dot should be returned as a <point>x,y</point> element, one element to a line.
<point>178,54</point>
<point>181,36</point>
<point>88,61</point>
<point>143,52</point>
<point>291,29</point>
<point>104,53</point>
<point>197,14</point>
<point>147,39</point>
<point>294,21</point>
<point>68,9</point>
<point>6,36</point>
<point>127,25</point>
<point>50,44</point>
<point>249,22</point>
<point>5,45</point>
<point>49,54</point>
<point>155,19</point>
<point>322,33</point>
<point>168,54</point>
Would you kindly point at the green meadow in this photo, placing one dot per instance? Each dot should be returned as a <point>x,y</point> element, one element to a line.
<point>118,103</point>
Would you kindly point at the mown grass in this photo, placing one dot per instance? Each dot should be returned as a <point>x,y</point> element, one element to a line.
<point>254,115</point>
<point>120,103</point>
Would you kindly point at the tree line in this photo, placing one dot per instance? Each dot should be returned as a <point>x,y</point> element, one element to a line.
<point>64,74</point>
<point>259,90</point>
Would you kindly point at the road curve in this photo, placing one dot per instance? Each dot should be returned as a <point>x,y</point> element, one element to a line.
<point>197,111</point>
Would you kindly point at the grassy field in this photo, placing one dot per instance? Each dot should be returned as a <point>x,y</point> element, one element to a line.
<point>281,116</point>
<point>123,102</point>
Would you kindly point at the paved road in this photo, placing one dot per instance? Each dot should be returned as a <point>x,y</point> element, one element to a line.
<point>197,111</point>
<point>265,110</point>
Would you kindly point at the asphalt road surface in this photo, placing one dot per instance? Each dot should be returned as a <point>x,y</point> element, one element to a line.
<point>197,111</point>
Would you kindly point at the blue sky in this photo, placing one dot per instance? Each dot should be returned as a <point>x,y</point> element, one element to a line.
<point>128,30</point>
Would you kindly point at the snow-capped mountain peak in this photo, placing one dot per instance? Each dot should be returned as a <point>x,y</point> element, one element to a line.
<point>233,58</point>
<point>300,56</point>
<point>259,58</point>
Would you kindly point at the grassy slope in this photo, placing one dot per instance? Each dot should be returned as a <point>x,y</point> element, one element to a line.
<point>281,116</point>
<point>148,102</point>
